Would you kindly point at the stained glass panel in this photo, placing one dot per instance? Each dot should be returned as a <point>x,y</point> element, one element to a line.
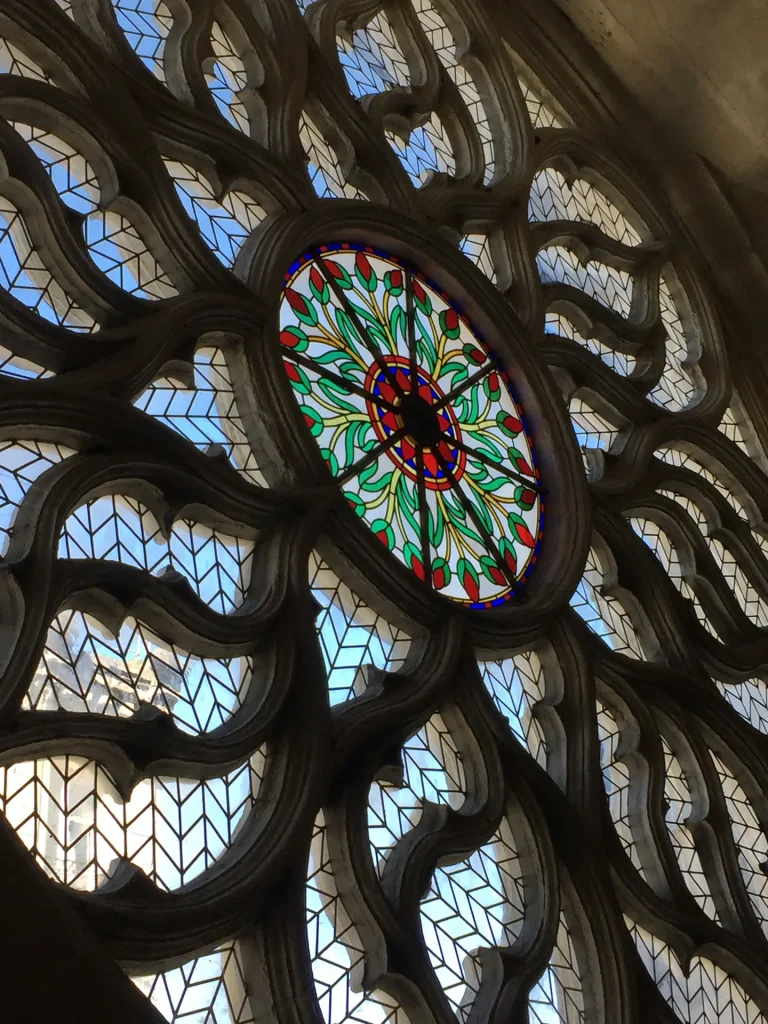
<point>604,614</point>
<point>227,79</point>
<point>207,413</point>
<point>146,24</point>
<point>21,463</point>
<point>415,418</point>
<point>554,198</point>
<point>749,839</point>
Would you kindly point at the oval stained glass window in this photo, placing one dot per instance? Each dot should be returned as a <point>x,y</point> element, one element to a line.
<point>415,419</point>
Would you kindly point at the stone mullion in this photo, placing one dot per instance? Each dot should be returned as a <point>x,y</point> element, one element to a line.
<point>713,841</point>
<point>730,874</point>
<point>624,394</point>
<point>469,155</point>
<point>751,379</point>
<point>394,959</point>
<point>509,974</point>
<point>646,790</point>
<point>513,135</point>
<point>724,609</point>
<point>276,954</point>
<point>573,844</point>
<point>373,162</point>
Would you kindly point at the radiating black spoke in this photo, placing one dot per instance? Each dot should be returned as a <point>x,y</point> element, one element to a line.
<point>461,388</point>
<point>488,540</point>
<point>423,515</point>
<point>488,461</point>
<point>371,456</point>
<point>343,382</point>
<point>410,317</point>
<point>365,336</point>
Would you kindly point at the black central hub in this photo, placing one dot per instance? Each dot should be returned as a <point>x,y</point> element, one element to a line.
<point>420,420</point>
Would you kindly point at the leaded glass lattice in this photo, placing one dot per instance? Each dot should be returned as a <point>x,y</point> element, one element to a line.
<point>383,544</point>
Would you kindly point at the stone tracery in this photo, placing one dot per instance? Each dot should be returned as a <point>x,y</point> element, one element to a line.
<point>149,480</point>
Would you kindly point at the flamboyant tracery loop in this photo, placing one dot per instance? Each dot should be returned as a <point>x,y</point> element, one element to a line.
<point>436,460</point>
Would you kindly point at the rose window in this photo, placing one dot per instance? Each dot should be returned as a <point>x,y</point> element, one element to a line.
<point>416,419</point>
<point>383,537</point>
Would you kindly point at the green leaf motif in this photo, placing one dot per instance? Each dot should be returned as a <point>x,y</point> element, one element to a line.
<point>407,494</point>
<point>339,274</point>
<point>495,484</point>
<point>335,394</point>
<point>466,406</point>
<point>508,553</point>
<point>474,354</point>
<point>414,559</point>
<point>398,324</point>
<point>525,497</point>
<point>408,503</point>
<point>455,371</point>
<point>425,345</point>
<point>369,481</point>
<point>436,521</point>
<point>484,443</point>
<point>477,470</point>
<point>458,518</point>
<point>520,530</point>
<point>450,325</point>
<point>491,570</point>
<point>347,330</point>
<point>421,298</point>
<point>519,461</point>
<point>298,378</point>
<point>350,443</point>
<point>375,329</point>
<point>511,425</point>
<point>319,287</point>
<point>334,355</point>
<point>469,578</point>
<point>491,387</point>
<point>482,513</point>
